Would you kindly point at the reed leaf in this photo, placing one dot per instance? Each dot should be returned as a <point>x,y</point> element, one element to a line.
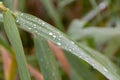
<point>14,38</point>
<point>95,59</point>
<point>46,59</point>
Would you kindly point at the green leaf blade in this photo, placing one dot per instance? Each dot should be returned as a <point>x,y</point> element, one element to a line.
<point>53,13</point>
<point>46,60</point>
<point>14,37</point>
<point>41,28</point>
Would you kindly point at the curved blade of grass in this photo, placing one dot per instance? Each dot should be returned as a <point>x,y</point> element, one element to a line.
<point>14,37</point>
<point>78,24</point>
<point>46,60</point>
<point>63,3</point>
<point>98,33</point>
<point>112,47</point>
<point>41,28</point>
<point>53,13</point>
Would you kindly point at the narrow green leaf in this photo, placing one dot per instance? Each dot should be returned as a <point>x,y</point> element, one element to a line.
<point>98,33</point>
<point>63,3</point>
<point>95,59</point>
<point>112,46</point>
<point>46,60</point>
<point>14,37</point>
<point>53,13</point>
<point>77,24</point>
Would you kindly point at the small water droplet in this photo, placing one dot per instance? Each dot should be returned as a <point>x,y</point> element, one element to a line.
<point>43,24</point>
<point>50,33</point>
<point>54,36</point>
<point>105,69</point>
<point>34,25</point>
<point>70,50</point>
<point>72,42</point>
<point>21,14</point>
<point>36,31</point>
<point>58,43</point>
<point>29,28</point>
<point>17,20</point>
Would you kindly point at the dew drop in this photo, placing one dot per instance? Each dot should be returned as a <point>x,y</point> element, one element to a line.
<point>58,43</point>
<point>34,25</point>
<point>50,33</point>
<point>72,42</point>
<point>54,36</point>
<point>43,24</point>
<point>21,14</point>
<point>29,28</point>
<point>36,31</point>
<point>70,50</point>
<point>17,20</point>
<point>105,69</point>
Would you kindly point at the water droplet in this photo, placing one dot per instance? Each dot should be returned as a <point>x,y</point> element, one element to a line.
<point>17,20</point>
<point>72,42</point>
<point>58,43</point>
<point>43,24</point>
<point>102,5</point>
<point>36,31</point>
<point>50,33</point>
<point>105,69</point>
<point>29,28</point>
<point>54,36</point>
<point>34,25</point>
<point>21,14</point>
<point>70,50</point>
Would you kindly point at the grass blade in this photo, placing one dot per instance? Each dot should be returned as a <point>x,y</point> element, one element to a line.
<point>14,37</point>
<point>95,59</point>
<point>78,24</point>
<point>63,3</point>
<point>53,13</point>
<point>46,60</point>
<point>98,33</point>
